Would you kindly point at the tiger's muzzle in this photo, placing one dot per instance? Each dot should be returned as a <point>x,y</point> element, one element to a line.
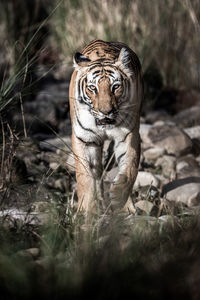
<point>105,118</point>
<point>105,121</point>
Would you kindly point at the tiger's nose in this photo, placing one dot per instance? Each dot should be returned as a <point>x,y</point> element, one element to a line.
<point>108,111</point>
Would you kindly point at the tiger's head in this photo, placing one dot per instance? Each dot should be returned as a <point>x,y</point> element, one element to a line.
<point>105,86</point>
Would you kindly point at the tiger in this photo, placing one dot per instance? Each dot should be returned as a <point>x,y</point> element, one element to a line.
<point>105,94</point>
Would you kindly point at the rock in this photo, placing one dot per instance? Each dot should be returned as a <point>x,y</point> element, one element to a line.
<point>70,163</point>
<point>147,192</point>
<point>188,117</point>
<point>13,215</point>
<point>186,191</point>
<point>61,184</point>
<point>50,108</point>
<point>168,219</point>
<point>41,206</point>
<point>172,139</point>
<point>137,221</point>
<point>146,178</point>
<point>187,166</point>
<point>152,154</point>
<point>198,159</point>
<point>28,254</point>
<point>34,252</point>
<point>167,163</point>
<point>193,132</point>
<point>62,158</point>
<point>56,144</point>
<point>163,123</point>
<point>23,256</point>
<point>157,115</point>
<point>144,132</point>
<point>144,205</point>
<point>54,165</point>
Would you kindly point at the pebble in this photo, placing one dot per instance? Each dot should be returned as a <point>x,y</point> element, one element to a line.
<point>167,163</point>
<point>193,132</point>
<point>144,205</point>
<point>172,139</point>
<point>153,153</point>
<point>183,192</point>
<point>146,178</point>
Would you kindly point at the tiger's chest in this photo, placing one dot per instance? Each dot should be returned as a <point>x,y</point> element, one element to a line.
<point>85,128</point>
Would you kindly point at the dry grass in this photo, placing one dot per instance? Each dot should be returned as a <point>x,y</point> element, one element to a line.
<point>139,262</point>
<point>163,33</point>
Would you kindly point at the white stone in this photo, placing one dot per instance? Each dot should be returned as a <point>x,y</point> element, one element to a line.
<point>159,123</point>
<point>144,131</point>
<point>170,138</point>
<point>54,165</point>
<point>153,153</point>
<point>146,178</point>
<point>163,123</point>
<point>70,163</point>
<point>167,163</point>
<point>181,165</point>
<point>144,205</point>
<point>188,194</point>
<point>27,218</point>
<point>193,132</point>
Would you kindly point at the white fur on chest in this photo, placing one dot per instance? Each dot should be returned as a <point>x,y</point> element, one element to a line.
<point>117,133</point>
<point>87,129</point>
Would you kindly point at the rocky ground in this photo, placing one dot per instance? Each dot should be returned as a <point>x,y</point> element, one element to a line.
<point>39,233</point>
<point>41,165</point>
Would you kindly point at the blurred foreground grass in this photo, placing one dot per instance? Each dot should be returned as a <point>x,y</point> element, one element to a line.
<point>136,258</point>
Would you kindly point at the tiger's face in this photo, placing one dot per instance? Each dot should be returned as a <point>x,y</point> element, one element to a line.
<point>104,87</point>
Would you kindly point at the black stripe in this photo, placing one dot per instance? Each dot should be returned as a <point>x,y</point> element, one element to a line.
<point>118,159</point>
<point>81,139</point>
<point>111,75</point>
<point>95,76</point>
<point>96,72</point>
<point>88,143</point>
<point>91,67</point>
<point>124,138</point>
<point>79,88</point>
<point>109,71</point>
<point>87,129</point>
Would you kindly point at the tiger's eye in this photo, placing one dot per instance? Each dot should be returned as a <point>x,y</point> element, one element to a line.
<point>92,88</point>
<point>115,87</point>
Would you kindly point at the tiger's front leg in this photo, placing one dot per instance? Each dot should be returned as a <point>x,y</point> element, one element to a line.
<point>88,158</point>
<point>127,154</point>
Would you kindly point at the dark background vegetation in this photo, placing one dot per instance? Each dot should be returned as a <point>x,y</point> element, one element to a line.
<point>37,42</point>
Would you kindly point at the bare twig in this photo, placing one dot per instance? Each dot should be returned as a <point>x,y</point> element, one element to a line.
<point>23,118</point>
<point>3,153</point>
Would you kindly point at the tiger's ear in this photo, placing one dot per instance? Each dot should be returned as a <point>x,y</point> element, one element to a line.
<point>123,61</point>
<point>80,60</point>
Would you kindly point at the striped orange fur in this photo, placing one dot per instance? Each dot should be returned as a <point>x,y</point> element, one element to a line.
<point>106,93</point>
